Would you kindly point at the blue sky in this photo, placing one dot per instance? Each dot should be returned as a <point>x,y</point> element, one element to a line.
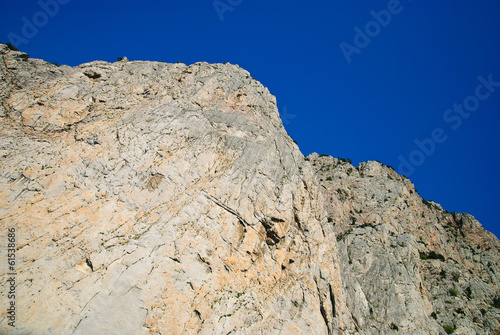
<point>360,80</point>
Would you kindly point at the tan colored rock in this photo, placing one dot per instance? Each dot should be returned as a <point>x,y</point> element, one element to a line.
<point>154,198</point>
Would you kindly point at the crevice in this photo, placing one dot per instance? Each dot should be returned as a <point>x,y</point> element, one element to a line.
<point>324,315</point>
<point>89,263</point>
<point>175,259</point>
<point>356,323</point>
<point>322,309</point>
<point>332,300</point>
<point>204,261</point>
<point>232,211</point>
<point>92,74</point>
<point>271,233</point>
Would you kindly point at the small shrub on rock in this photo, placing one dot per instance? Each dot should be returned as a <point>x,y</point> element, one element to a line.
<point>449,329</point>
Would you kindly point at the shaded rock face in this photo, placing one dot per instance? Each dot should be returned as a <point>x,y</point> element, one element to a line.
<point>154,198</point>
<point>408,265</point>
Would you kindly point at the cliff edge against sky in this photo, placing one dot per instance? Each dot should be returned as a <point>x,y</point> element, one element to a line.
<point>155,198</point>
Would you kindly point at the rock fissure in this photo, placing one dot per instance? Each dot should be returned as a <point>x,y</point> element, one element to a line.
<point>228,209</point>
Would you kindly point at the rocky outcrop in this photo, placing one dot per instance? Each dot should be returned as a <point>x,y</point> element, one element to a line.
<point>154,198</point>
<point>411,266</point>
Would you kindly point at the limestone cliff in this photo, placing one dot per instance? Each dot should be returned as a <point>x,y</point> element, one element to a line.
<point>154,198</point>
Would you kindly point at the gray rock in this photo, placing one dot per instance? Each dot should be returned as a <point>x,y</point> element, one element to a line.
<point>163,198</point>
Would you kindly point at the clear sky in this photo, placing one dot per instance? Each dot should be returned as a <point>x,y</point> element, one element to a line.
<point>395,81</point>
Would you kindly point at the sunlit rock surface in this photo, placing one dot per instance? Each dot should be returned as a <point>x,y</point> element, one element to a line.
<point>154,198</point>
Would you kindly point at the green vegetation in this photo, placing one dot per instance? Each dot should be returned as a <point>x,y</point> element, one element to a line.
<point>496,302</point>
<point>329,178</point>
<point>364,225</point>
<point>434,255</point>
<point>341,236</point>
<point>431,255</point>
<point>421,241</point>
<point>11,46</point>
<point>449,329</point>
<point>454,292</point>
<point>345,160</point>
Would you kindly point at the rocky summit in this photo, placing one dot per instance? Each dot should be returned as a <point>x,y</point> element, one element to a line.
<point>154,198</point>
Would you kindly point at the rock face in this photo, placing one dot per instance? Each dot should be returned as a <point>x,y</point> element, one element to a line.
<point>154,198</point>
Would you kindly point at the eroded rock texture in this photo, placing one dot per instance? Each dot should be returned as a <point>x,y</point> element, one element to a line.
<point>154,198</point>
